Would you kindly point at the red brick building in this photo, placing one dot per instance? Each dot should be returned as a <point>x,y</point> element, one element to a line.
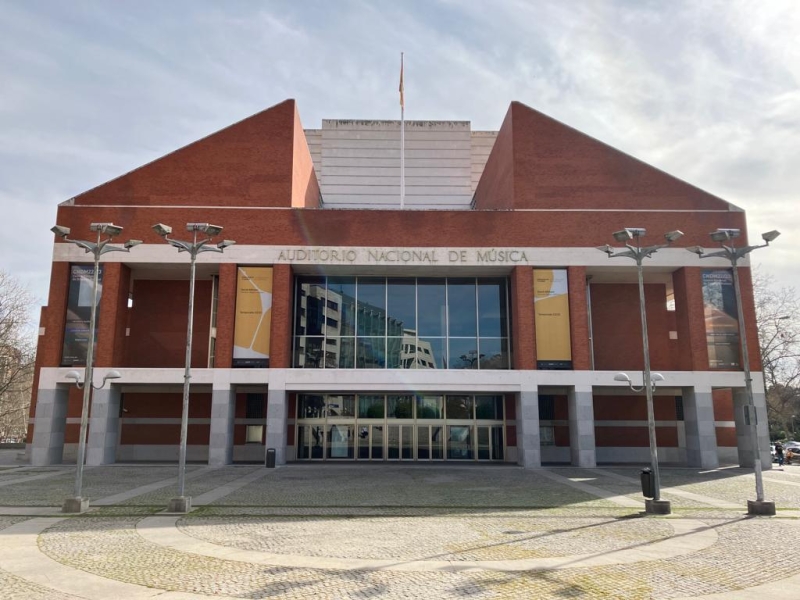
<point>476,322</point>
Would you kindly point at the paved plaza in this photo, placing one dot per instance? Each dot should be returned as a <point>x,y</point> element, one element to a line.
<point>395,531</point>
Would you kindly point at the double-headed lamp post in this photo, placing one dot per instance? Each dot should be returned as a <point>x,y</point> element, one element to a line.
<point>726,238</point>
<point>183,503</point>
<point>638,253</point>
<point>97,248</point>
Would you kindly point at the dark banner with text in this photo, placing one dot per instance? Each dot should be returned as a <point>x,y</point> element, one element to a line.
<point>79,314</point>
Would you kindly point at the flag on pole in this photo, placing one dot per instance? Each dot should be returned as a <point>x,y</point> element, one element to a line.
<point>402,103</point>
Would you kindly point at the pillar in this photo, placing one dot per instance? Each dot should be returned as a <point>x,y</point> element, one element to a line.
<point>580,404</point>
<point>101,448</point>
<point>528,441</point>
<point>701,434</point>
<point>744,440</point>
<point>49,424</point>
<point>277,415</point>
<point>220,439</point>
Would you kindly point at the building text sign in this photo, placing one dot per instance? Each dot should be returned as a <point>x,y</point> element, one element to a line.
<point>404,256</point>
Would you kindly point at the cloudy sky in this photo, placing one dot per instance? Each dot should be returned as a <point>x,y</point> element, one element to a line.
<point>707,91</point>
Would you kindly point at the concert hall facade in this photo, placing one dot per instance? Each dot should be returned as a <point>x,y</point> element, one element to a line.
<point>467,317</point>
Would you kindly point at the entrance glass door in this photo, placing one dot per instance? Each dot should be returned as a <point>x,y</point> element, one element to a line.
<point>400,442</point>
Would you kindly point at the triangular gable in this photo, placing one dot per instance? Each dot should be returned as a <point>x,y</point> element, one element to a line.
<point>249,163</point>
<point>554,166</point>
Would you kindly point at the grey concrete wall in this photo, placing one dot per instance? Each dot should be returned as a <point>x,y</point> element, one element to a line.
<point>701,435</point>
<point>101,447</point>
<point>277,414</point>
<point>49,424</point>
<point>528,439</point>
<point>220,439</point>
<point>580,405</point>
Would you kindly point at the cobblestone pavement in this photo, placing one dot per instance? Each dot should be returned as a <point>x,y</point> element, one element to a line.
<point>480,522</point>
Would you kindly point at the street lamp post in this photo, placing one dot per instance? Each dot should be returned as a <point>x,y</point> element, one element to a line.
<point>733,254</point>
<point>97,248</point>
<point>183,503</point>
<point>638,253</point>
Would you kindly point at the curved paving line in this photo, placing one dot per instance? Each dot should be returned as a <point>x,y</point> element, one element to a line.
<point>689,536</point>
<point>20,555</point>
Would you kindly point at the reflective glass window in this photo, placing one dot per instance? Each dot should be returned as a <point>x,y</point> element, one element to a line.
<point>430,407</point>
<point>489,407</point>
<point>342,303</point>
<point>395,358</point>
<point>492,308</point>
<point>340,441</point>
<point>371,407</point>
<point>432,307</point>
<point>309,310</point>
<point>459,407</point>
<point>371,296</point>
<point>370,353</point>
<point>400,407</point>
<point>347,353</point>
<point>430,353</point>
<point>401,300</point>
<point>340,406</point>
<point>311,407</point>
<point>308,352</point>
<point>462,308</point>
<point>494,353</point>
<point>463,353</point>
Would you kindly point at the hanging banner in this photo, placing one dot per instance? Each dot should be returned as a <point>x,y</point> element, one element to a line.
<point>79,314</point>
<point>253,317</point>
<point>722,321</point>
<point>551,307</point>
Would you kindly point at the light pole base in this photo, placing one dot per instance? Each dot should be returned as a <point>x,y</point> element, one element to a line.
<point>761,508</point>
<point>657,507</point>
<point>77,505</point>
<point>181,504</point>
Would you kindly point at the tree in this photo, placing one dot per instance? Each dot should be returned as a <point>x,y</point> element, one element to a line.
<point>778,319</point>
<point>17,355</point>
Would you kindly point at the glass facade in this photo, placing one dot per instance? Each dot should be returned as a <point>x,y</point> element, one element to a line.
<point>400,427</point>
<point>401,323</point>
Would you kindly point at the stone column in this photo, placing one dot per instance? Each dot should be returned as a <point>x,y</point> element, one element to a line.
<point>220,439</point>
<point>581,427</point>
<point>743,432</point>
<point>277,415</point>
<point>48,427</point>
<point>701,434</point>
<point>101,448</point>
<point>528,441</point>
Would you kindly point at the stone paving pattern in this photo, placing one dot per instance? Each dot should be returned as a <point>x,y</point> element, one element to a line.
<point>417,513</point>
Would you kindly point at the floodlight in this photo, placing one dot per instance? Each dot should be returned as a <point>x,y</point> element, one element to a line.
<point>699,250</point>
<point>162,230</point>
<point>656,377</point>
<point>60,231</point>
<point>629,233</point>
<point>622,377</point>
<point>770,235</point>
<point>131,243</point>
<point>114,374</point>
<point>212,230</point>
<point>723,235</point>
<point>73,375</point>
<point>225,243</point>
<point>107,228</point>
<point>673,235</point>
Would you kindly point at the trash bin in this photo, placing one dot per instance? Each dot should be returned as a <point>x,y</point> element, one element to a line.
<point>648,483</point>
<point>270,458</point>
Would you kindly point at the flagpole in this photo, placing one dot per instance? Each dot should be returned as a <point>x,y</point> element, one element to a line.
<point>402,139</point>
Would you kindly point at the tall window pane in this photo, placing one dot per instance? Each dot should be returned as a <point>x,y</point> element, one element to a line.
<point>371,295</point>
<point>309,306</point>
<point>430,353</point>
<point>370,353</point>
<point>341,303</point>
<point>431,307</point>
<point>401,299</point>
<point>463,353</point>
<point>462,311</point>
<point>492,312</point>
